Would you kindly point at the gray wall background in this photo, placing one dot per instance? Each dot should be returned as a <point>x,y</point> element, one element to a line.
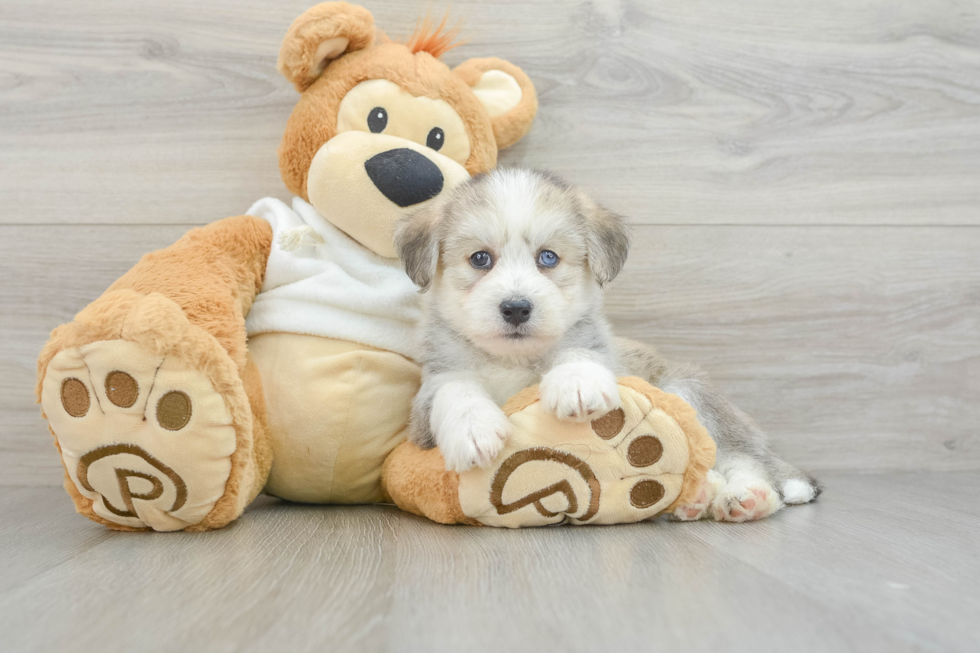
<point>804,177</point>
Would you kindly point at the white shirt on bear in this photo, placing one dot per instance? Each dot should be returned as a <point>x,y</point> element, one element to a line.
<point>330,285</point>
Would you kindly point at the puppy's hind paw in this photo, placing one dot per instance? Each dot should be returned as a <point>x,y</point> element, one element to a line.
<point>739,502</point>
<point>700,508</point>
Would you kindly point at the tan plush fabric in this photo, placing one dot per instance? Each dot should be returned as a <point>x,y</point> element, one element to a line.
<point>335,411</point>
<point>408,117</point>
<point>159,456</point>
<point>552,471</point>
<point>701,448</point>
<point>339,189</point>
<point>627,466</point>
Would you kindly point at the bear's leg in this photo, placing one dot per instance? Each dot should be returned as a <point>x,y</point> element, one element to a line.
<point>416,480</point>
<point>154,403</point>
<point>647,457</point>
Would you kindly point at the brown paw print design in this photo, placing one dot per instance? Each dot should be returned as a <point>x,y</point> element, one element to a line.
<point>631,464</point>
<point>147,439</point>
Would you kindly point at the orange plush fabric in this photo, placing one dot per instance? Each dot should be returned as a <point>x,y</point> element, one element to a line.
<point>188,301</point>
<point>330,20</point>
<point>416,480</point>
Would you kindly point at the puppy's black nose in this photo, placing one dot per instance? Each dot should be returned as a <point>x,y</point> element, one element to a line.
<point>404,176</point>
<point>516,311</point>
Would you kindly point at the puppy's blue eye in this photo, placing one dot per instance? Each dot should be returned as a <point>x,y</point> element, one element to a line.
<point>481,260</point>
<point>547,258</point>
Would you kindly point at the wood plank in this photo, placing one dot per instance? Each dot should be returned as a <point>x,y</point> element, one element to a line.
<point>40,532</point>
<point>855,348</point>
<point>864,569</point>
<point>693,113</point>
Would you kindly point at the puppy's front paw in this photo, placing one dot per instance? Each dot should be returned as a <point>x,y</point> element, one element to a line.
<point>580,391</point>
<point>475,439</point>
<point>470,431</point>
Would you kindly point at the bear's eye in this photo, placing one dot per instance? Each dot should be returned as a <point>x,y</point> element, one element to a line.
<point>481,260</point>
<point>547,258</point>
<point>436,138</point>
<point>377,120</point>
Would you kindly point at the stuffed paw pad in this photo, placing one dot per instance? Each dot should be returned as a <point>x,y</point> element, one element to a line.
<point>626,466</point>
<point>145,438</point>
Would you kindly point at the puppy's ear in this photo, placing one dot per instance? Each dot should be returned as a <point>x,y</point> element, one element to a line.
<point>608,236</point>
<point>320,35</point>
<point>417,243</point>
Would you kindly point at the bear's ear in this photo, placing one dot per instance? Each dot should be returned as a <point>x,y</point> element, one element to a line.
<point>505,92</point>
<point>320,35</point>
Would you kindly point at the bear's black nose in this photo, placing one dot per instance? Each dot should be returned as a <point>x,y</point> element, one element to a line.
<point>404,176</point>
<point>516,311</point>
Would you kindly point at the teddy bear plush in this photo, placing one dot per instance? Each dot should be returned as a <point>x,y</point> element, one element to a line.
<point>274,351</point>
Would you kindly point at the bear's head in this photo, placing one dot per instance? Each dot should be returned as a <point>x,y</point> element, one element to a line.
<point>380,129</point>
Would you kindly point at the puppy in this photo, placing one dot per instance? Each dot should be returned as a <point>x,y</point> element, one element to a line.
<point>512,263</point>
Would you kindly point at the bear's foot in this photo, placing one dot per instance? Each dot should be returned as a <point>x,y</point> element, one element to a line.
<point>146,438</point>
<point>640,460</point>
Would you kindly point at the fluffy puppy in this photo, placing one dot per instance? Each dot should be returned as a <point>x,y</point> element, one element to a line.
<point>512,263</point>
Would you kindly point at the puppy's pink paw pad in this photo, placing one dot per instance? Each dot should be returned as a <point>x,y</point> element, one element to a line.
<point>692,512</point>
<point>701,506</point>
<point>745,504</point>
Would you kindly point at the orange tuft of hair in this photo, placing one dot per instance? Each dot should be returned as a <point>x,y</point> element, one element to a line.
<point>434,39</point>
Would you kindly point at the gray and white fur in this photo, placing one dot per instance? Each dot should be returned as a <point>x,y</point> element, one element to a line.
<point>512,264</point>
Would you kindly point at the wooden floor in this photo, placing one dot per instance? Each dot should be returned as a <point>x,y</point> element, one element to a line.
<point>804,178</point>
<point>879,563</point>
